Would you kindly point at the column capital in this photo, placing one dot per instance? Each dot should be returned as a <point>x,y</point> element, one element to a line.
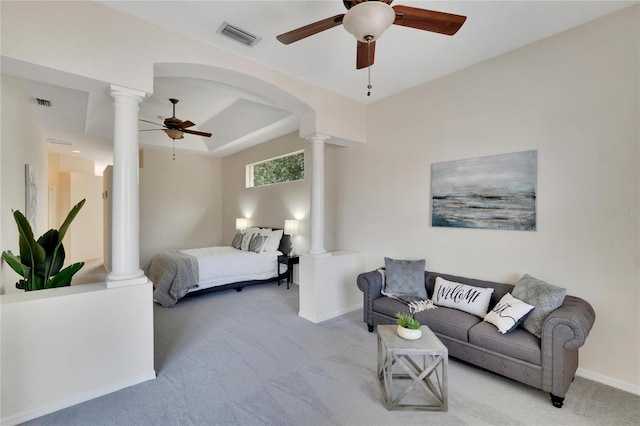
<point>118,91</point>
<point>317,137</point>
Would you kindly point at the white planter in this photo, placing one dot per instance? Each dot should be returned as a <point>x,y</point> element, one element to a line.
<point>409,334</point>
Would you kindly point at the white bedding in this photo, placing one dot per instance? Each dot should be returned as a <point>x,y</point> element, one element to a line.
<point>225,265</point>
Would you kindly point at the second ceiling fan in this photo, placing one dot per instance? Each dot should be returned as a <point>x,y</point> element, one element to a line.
<point>176,128</point>
<point>368,19</point>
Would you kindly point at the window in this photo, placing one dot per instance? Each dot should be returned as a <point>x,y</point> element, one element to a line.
<point>286,168</point>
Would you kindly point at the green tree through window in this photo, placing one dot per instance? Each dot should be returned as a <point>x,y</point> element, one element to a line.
<point>283,169</point>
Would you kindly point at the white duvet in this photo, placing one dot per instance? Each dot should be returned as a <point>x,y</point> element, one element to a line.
<point>225,265</point>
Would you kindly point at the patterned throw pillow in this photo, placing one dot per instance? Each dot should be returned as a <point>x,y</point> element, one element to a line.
<point>545,297</point>
<point>237,241</point>
<point>246,239</point>
<point>508,313</point>
<point>405,278</point>
<point>257,242</point>
<point>467,298</point>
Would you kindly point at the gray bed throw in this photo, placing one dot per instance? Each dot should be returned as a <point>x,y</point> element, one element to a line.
<point>172,274</point>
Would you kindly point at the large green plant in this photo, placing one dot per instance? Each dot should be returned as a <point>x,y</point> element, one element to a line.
<point>40,262</point>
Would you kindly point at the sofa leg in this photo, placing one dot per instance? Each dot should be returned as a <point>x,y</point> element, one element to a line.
<point>557,401</point>
<point>370,327</point>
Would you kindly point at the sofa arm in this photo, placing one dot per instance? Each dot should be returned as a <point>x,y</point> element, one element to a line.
<point>563,332</point>
<point>371,285</point>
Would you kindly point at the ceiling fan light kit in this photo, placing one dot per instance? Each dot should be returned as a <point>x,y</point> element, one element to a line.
<point>367,21</point>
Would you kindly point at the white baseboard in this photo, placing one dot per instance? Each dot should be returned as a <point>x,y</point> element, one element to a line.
<point>330,315</point>
<point>605,380</point>
<point>76,399</point>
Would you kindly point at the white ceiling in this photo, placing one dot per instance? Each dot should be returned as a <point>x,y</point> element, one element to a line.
<point>405,58</point>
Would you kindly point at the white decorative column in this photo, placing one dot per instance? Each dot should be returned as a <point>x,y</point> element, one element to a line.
<point>125,249</point>
<point>317,193</point>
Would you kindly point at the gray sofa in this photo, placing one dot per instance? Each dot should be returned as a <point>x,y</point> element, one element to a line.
<point>548,363</point>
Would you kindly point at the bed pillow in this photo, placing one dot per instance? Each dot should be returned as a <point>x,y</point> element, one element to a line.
<point>257,243</point>
<point>474,300</point>
<point>237,241</point>
<point>545,297</point>
<point>405,278</point>
<point>508,313</point>
<point>246,240</point>
<point>273,241</point>
<point>264,232</point>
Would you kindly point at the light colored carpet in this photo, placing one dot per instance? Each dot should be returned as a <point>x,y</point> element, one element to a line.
<point>246,358</point>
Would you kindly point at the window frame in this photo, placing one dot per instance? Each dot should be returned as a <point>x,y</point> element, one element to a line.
<point>250,175</point>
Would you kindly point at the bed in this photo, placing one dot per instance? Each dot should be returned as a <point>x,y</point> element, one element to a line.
<point>179,273</point>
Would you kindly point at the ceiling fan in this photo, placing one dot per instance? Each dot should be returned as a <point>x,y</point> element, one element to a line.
<point>368,19</point>
<point>176,128</point>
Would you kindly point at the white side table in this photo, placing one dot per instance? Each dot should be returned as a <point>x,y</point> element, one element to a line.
<point>397,364</point>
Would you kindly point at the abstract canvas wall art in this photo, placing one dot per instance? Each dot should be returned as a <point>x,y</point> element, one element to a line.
<point>31,194</point>
<point>496,192</point>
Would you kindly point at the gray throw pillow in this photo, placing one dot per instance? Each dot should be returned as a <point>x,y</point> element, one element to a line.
<point>545,298</point>
<point>237,241</point>
<point>257,242</point>
<point>405,278</point>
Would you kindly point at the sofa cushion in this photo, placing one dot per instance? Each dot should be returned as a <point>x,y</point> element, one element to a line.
<point>474,300</point>
<point>518,344</point>
<point>450,322</point>
<point>545,297</point>
<point>508,313</point>
<point>404,278</point>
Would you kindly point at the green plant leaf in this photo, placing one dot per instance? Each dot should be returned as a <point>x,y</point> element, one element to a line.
<point>13,261</point>
<point>63,278</point>
<point>72,214</point>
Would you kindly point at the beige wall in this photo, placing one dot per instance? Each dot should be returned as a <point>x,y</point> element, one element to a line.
<point>573,98</point>
<point>21,144</point>
<point>180,202</point>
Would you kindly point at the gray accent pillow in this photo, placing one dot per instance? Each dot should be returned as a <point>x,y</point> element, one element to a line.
<point>257,242</point>
<point>405,278</point>
<point>237,241</point>
<point>545,298</point>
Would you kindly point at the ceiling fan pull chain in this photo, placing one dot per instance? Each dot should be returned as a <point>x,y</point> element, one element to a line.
<point>174,149</point>
<point>369,86</point>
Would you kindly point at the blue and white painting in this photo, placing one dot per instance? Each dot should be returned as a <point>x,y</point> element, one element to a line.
<point>497,192</point>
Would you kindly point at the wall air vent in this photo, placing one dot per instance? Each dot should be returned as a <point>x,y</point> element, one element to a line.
<point>42,102</point>
<point>238,34</point>
<point>58,142</point>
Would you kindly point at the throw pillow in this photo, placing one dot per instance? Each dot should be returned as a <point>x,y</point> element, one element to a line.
<point>274,241</point>
<point>405,278</point>
<point>545,297</point>
<point>474,300</point>
<point>246,239</point>
<point>237,241</point>
<point>508,313</point>
<point>257,242</point>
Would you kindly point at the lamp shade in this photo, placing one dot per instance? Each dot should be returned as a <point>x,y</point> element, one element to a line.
<point>291,227</point>
<point>241,223</point>
<point>174,133</point>
<point>368,20</point>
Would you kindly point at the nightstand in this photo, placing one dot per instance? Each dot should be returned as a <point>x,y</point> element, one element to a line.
<point>289,261</point>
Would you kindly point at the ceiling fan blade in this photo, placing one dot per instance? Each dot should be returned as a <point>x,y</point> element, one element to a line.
<point>311,29</point>
<point>186,124</point>
<point>150,130</point>
<point>150,122</point>
<point>364,58</point>
<point>428,20</point>
<point>195,132</point>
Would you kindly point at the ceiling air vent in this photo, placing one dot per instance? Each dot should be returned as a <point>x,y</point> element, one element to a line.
<point>42,102</point>
<point>238,34</point>
<point>58,142</point>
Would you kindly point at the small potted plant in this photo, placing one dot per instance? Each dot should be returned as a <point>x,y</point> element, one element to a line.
<point>408,326</point>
